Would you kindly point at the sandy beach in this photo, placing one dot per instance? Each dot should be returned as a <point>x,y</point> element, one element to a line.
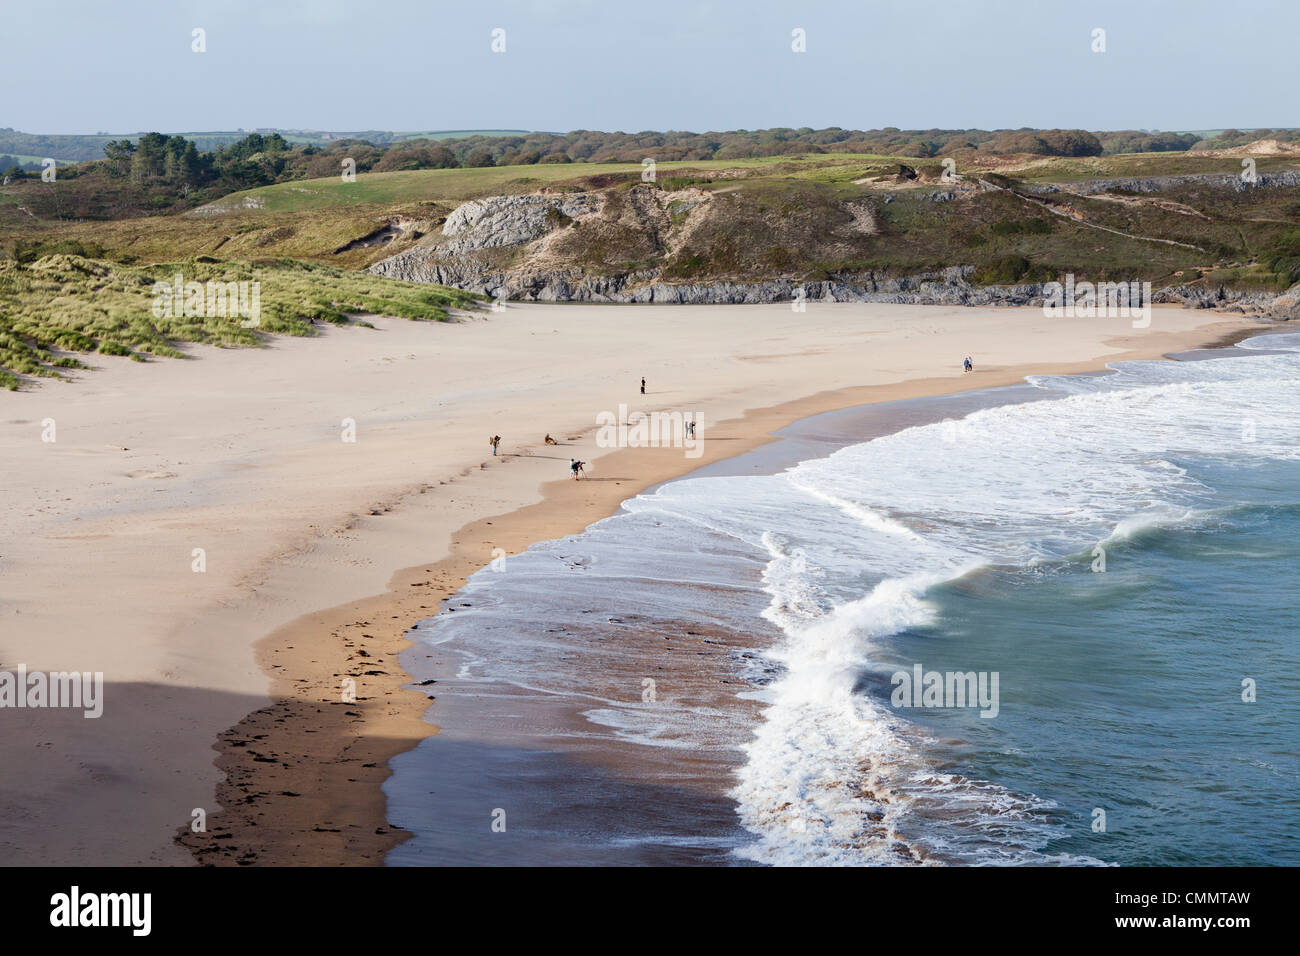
<point>205,534</point>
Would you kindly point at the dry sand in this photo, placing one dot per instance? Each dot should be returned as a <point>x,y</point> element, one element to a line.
<point>320,553</point>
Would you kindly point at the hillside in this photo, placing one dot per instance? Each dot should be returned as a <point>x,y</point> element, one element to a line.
<point>758,237</point>
<point>796,219</point>
<point>883,228</point>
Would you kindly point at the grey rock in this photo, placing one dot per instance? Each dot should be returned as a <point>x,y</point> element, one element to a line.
<point>1156,184</point>
<point>509,220</point>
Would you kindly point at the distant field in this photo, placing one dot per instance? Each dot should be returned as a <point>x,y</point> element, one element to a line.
<point>463,184</point>
<point>324,138</point>
<point>459,185</point>
<point>1081,169</point>
<point>34,159</point>
<point>370,188</point>
<point>455,133</point>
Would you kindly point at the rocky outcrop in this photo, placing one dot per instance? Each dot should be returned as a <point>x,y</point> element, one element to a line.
<point>949,287</point>
<point>1287,305</point>
<point>512,248</point>
<point>1284,307</point>
<point>510,220</point>
<point>1157,184</point>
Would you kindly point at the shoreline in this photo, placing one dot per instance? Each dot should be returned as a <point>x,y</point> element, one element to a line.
<point>331,810</point>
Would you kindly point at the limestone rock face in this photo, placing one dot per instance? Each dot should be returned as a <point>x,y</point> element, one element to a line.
<point>510,220</point>
<point>1282,307</point>
<point>1158,184</point>
<point>1287,305</point>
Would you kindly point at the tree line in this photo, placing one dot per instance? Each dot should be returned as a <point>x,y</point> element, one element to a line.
<point>156,172</point>
<point>262,159</point>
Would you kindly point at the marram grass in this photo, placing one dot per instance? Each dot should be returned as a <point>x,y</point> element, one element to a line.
<point>61,305</point>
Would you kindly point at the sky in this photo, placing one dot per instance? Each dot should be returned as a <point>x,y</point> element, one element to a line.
<point>124,66</point>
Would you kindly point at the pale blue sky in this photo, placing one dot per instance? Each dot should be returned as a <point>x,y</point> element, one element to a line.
<point>126,65</point>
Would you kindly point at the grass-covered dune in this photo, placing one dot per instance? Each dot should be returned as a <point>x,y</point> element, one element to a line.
<point>60,307</point>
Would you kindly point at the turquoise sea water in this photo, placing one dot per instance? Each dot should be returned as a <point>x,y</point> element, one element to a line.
<point>1123,690</point>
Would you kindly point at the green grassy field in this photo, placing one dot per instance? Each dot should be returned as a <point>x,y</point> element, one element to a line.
<point>462,184</point>
<point>1141,165</point>
<point>458,185</point>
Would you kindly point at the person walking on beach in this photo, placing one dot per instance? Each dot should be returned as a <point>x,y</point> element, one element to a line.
<point>642,384</point>
<point>968,365</point>
<point>575,466</point>
<point>494,441</point>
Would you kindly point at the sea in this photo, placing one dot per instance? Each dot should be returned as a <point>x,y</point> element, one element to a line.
<point>725,672</point>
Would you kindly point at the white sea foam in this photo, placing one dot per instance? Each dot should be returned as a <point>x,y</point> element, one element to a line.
<point>835,776</point>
